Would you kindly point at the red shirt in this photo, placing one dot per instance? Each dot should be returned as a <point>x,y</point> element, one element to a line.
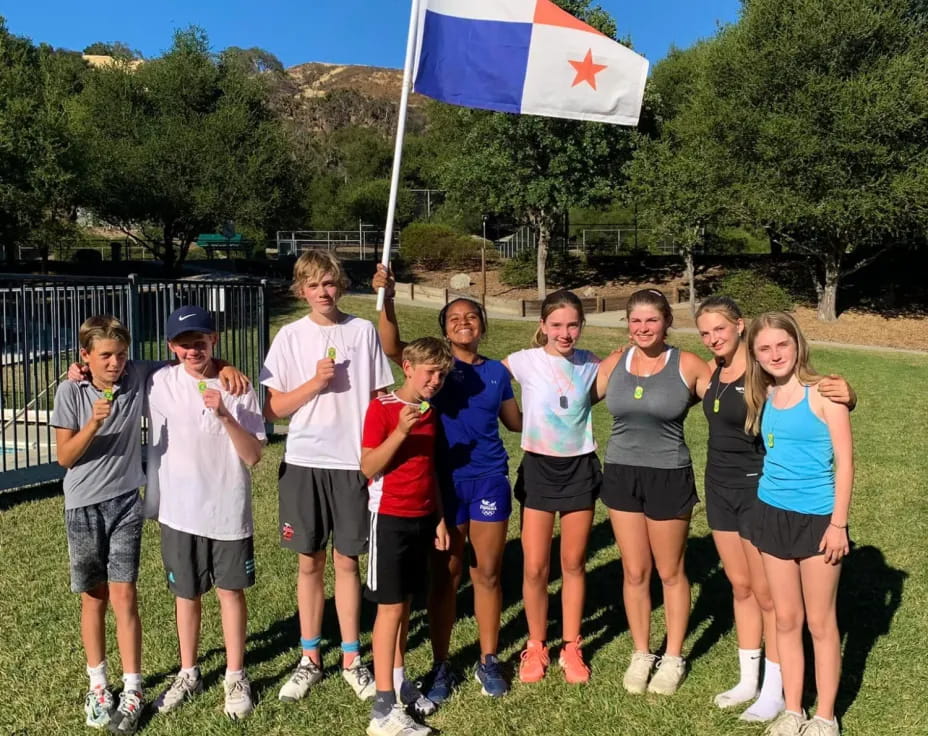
<point>407,486</point>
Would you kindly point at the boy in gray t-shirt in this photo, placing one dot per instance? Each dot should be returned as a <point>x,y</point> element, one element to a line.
<point>98,433</point>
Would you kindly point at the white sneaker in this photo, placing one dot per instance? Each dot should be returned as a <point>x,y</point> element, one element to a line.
<point>397,723</point>
<point>360,679</point>
<point>238,698</point>
<point>182,688</point>
<point>668,675</point>
<point>638,672</point>
<point>98,707</point>
<point>818,727</point>
<point>786,724</point>
<point>306,674</point>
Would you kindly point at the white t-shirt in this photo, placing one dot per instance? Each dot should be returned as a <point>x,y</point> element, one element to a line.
<point>201,484</point>
<point>556,418</point>
<point>326,431</point>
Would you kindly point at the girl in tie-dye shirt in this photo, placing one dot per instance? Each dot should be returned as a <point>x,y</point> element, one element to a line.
<point>560,473</point>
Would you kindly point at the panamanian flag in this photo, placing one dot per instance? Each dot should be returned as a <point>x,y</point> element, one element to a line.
<point>528,57</point>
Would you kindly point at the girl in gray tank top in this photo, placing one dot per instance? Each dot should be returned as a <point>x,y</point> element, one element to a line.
<point>647,431</point>
<point>648,482</point>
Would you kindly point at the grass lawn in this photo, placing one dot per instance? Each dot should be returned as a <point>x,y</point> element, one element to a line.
<point>883,605</point>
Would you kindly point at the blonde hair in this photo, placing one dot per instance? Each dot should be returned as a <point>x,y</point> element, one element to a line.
<point>314,264</point>
<point>554,301</point>
<point>721,304</point>
<point>431,351</point>
<point>757,380</point>
<point>102,327</point>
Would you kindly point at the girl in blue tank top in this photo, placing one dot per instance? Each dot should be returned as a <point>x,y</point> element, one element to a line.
<point>474,471</point>
<point>801,515</point>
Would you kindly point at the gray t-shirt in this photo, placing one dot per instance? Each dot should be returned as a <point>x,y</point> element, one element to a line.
<point>112,463</point>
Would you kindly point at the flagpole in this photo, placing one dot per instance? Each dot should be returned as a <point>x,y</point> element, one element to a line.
<point>400,134</point>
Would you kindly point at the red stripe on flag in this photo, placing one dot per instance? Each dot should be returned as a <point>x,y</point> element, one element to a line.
<point>549,14</point>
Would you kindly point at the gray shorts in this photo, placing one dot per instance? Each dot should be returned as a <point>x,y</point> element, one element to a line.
<point>104,541</point>
<point>316,503</point>
<point>194,564</point>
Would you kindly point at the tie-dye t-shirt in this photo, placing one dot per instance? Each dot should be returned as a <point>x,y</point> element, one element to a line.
<point>556,416</point>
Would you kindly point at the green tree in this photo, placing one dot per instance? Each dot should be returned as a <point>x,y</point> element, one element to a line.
<point>38,161</point>
<point>181,144</point>
<point>818,107</point>
<point>534,168</point>
<point>116,49</point>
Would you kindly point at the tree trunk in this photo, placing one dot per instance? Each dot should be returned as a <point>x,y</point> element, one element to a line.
<point>544,240</point>
<point>827,289</point>
<point>690,277</point>
<point>168,256</point>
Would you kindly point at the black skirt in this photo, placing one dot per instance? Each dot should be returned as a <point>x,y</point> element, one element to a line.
<point>549,483</point>
<point>788,535</point>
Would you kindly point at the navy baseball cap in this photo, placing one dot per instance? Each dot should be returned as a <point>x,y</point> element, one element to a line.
<point>190,318</point>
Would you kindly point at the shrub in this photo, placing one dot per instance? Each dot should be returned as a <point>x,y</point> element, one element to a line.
<point>755,293</point>
<point>561,269</point>
<point>437,246</point>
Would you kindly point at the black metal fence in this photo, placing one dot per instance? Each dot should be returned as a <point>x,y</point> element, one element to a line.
<point>41,316</point>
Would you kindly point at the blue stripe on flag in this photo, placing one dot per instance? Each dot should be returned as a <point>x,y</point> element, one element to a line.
<point>474,63</point>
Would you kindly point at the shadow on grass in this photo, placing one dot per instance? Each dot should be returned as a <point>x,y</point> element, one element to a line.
<point>869,595</point>
<point>10,499</point>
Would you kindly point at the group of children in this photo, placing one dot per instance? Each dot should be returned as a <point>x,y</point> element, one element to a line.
<point>411,475</point>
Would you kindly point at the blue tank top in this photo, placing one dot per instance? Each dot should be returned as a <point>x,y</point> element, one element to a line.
<point>799,470</point>
<point>468,404</point>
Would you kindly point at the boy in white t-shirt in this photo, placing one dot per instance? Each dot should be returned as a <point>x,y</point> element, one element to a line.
<point>322,371</point>
<point>202,441</point>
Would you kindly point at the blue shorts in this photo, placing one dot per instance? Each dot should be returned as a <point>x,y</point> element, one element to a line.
<point>484,499</point>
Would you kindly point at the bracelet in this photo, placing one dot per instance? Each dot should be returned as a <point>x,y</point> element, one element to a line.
<point>837,526</point>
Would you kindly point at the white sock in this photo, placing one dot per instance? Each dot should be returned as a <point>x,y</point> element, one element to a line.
<point>234,675</point>
<point>746,689</point>
<point>97,675</point>
<point>132,681</point>
<point>399,674</point>
<point>831,722</point>
<point>191,672</point>
<point>770,703</point>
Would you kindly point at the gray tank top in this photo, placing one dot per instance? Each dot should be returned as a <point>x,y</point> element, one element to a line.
<point>648,431</point>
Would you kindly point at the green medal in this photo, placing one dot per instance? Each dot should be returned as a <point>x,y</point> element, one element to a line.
<point>424,407</point>
<point>330,353</point>
<point>201,386</point>
<point>770,439</point>
<point>108,394</point>
<point>715,406</point>
<point>639,392</point>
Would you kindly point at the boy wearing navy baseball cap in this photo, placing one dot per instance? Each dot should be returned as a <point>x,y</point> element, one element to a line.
<point>203,440</point>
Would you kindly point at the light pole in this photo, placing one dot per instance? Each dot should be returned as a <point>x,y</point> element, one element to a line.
<point>483,264</point>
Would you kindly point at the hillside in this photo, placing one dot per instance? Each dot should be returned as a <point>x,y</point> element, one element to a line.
<point>326,97</point>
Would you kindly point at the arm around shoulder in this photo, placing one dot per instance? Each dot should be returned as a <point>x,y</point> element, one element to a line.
<point>696,371</point>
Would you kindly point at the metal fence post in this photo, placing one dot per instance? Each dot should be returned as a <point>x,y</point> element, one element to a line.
<point>264,342</point>
<point>135,352</point>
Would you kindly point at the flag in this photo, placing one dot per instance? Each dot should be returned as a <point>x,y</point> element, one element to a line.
<point>525,56</point>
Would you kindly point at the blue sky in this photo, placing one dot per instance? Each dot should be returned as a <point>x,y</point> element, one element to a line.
<point>338,31</point>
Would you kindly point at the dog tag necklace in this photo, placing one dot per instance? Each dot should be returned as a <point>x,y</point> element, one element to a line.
<point>717,404</point>
<point>639,389</point>
<point>562,395</point>
<point>771,435</point>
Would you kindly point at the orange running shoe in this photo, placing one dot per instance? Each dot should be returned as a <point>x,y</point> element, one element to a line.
<point>571,661</point>
<point>534,661</point>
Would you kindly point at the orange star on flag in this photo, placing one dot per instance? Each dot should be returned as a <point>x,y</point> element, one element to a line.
<point>586,70</point>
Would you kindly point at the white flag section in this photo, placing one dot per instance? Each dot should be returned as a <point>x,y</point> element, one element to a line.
<point>527,57</point>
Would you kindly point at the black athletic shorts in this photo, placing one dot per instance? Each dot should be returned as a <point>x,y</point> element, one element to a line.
<point>730,509</point>
<point>788,535</point>
<point>317,503</point>
<point>660,494</point>
<point>195,564</point>
<point>549,483</point>
<point>398,564</point>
